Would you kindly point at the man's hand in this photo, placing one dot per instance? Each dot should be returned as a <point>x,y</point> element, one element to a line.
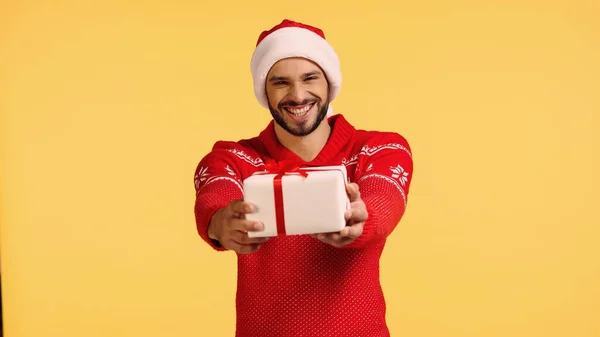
<point>229,226</point>
<point>355,220</point>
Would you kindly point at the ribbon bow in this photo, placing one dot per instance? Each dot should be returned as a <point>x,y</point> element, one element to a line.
<point>284,167</point>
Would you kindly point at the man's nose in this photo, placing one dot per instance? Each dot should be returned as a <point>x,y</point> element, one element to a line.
<point>297,93</point>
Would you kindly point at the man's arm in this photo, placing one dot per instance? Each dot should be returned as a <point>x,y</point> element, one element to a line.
<point>217,181</point>
<point>383,184</point>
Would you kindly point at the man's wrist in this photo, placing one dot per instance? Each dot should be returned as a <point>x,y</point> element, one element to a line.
<point>212,235</point>
<point>211,226</point>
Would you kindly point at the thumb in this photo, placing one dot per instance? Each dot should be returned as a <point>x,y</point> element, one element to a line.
<point>353,192</point>
<point>239,207</point>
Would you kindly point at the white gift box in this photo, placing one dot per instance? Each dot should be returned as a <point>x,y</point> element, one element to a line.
<point>309,204</point>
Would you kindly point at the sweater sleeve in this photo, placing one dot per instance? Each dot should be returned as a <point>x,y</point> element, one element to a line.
<point>217,181</point>
<point>384,180</point>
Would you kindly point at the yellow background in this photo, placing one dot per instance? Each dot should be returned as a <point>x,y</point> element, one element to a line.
<point>107,107</point>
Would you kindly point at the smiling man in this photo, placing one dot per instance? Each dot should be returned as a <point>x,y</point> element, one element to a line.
<point>305,285</point>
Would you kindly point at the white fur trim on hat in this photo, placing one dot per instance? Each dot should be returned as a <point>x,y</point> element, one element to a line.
<point>294,42</point>
<point>329,111</point>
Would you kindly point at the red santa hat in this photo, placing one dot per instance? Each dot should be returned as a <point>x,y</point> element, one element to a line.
<point>293,39</point>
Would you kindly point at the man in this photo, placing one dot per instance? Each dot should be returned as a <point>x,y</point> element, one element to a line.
<point>305,285</point>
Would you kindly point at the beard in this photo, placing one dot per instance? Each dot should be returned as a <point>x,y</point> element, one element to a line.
<point>302,128</point>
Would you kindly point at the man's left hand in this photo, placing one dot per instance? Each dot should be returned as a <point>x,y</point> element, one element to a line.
<point>355,220</point>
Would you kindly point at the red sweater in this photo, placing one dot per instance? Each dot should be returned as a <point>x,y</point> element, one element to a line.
<point>297,285</point>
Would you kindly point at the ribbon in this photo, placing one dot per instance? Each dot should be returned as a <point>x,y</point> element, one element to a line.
<point>284,167</point>
<point>280,169</point>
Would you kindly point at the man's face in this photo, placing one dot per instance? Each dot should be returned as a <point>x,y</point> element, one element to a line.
<point>297,90</point>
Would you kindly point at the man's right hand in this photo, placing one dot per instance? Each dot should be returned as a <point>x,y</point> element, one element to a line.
<point>229,226</point>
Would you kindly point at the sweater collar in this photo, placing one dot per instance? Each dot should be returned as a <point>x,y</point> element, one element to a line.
<point>341,133</point>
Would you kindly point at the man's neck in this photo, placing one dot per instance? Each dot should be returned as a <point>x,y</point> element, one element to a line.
<point>307,147</point>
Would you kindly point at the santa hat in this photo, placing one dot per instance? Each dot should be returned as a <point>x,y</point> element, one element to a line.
<point>293,39</point>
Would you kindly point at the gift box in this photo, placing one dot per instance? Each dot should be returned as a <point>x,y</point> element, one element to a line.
<point>293,201</point>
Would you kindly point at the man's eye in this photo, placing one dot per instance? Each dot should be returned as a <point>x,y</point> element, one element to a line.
<point>311,78</point>
<point>280,83</point>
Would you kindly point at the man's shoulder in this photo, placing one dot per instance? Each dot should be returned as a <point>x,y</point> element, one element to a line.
<point>248,144</point>
<point>376,139</point>
<point>240,152</point>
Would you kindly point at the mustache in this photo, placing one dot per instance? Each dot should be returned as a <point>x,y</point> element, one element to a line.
<point>292,103</point>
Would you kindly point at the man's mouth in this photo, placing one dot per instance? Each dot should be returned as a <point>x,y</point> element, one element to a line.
<point>299,111</point>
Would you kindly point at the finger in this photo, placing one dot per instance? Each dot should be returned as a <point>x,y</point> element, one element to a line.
<point>333,239</point>
<point>245,225</point>
<point>348,214</point>
<point>358,204</point>
<point>353,231</point>
<point>356,214</point>
<point>247,249</point>
<point>353,192</point>
<point>244,249</point>
<point>359,214</point>
<point>240,207</point>
<point>326,238</point>
<point>244,239</point>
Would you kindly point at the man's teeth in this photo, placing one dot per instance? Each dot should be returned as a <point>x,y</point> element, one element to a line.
<point>299,112</point>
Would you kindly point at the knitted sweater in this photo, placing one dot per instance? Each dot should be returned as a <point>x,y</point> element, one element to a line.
<point>297,285</point>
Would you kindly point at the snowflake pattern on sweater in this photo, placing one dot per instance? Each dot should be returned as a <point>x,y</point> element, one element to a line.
<point>297,285</point>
